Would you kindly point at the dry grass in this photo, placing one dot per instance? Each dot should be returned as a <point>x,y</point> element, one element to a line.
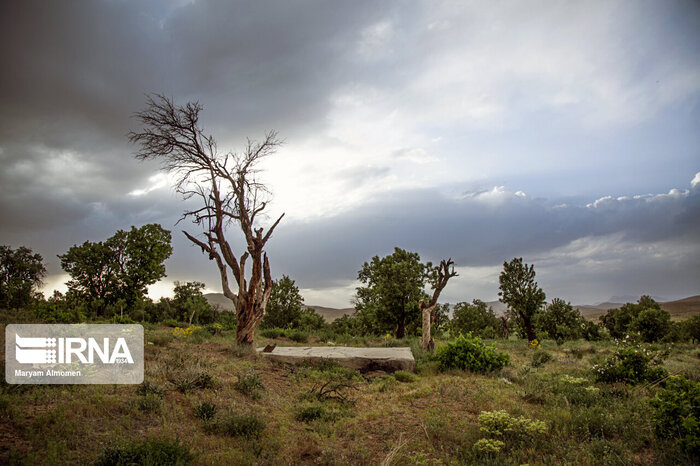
<point>433,420</point>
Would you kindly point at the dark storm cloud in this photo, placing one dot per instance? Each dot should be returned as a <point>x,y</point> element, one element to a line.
<point>480,229</point>
<point>75,72</point>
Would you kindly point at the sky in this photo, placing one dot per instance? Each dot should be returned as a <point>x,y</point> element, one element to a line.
<point>566,133</point>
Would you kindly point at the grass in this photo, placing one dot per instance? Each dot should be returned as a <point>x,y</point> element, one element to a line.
<point>193,408</point>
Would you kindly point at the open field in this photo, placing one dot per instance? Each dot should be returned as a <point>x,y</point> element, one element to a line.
<point>431,418</point>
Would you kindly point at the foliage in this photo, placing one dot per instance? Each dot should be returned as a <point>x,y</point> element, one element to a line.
<point>190,303</point>
<point>476,318</point>
<point>618,321</point>
<point>205,411</point>
<point>693,328</point>
<point>310,413</point>
<point>285,305</point>
<point>149,388</point>
<point>152,452</point>
<point>21,271</point>
<point>118,269</point>
<point>652,324</point>
<point>540,358</point>
<point>470,353</point>
<point>405,376</point>
<point>522,295</point>
<point>631,364</point>
<point>677,413</point>
<point>500,424</point>
<point>560,321</point>
<point>392,287</point>
<point>250,384</point>
<point>297,335</point>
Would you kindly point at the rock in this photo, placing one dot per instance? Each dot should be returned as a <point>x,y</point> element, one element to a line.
<point>362,359</point>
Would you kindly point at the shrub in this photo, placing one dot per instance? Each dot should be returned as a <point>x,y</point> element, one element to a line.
<point>151,452</point>
<point>148,388</point>
<point>470,353</point>
<point>310,413</point>
<point>677,414</point>
<point>488,446</point>
<point>193,381</point>
<point>250,384</point>
<point>205,411</point>
<point>540,358</point>
<point>405,377</point>
<point>160,338</point>
<point>477,318</point>
<point>509,429</point>
<point>171,323</point>
<point>271,332</point>
<point>629,364</point>
<point>652,324</point>
<point>248,426</point>
<point>297,335</point>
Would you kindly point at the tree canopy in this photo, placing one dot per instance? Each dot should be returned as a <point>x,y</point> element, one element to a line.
<point>393,286</point>
<point>120,268</point>
<point>21,271</point>
<point>522,295</point>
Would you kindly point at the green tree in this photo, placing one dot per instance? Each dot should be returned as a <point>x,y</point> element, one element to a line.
<point>285,307</point>
<point>693,328</point>
<point>652,324</point>
<point>21,271</point>
<point>476,318</point>
<point>560,321</point>
<point>519,291</point>
<point>120,268</point>
<point>393,286</point>
<point>618,320</point>
<point>190,303</point>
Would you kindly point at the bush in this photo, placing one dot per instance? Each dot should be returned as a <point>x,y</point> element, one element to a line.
<point>274,332</point>
<point>151,452</point>
<point>470,353</point>
<point>297,335</point>
<point>630,364</point>
<point>250,384</point>
<point>540,357</point>
<point>191,381</point>
<point>150,403</point>
<point>652,324</point>
<point>310,413</point>
<point>248,426</point>
<point>511,430</point>
<point>405,377</point>
<point>677,414</point>
<point>160,338</point>
<point>205,411</point>
<point>477,318</point>
<point>171,323</point>
<point>148,388</point>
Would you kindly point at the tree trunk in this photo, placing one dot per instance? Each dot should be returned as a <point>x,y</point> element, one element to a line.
<point>427,342</point>
<point>401,328</point>
<point>527,322</point>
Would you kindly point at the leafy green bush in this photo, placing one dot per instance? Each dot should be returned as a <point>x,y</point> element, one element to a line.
<point>193,380</point>
<point>150,403</point>
<point>205,411</point>
<point>160,338</point>
<point>274,332</point>
<point>512,431</point>
<point>677,414</point>
<point>310,413</point>
<point>250,384</point>
<point>630,364</point>
<point>153,452</point>
<point>470,353</point>
<point>540,358</point>
<point>171,323</point>
<point>299,336</point>
<point>652,324</point>
<point>405,376</point>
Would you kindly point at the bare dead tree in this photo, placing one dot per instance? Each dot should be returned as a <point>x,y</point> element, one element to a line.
<point>228,191</point>
<point>445,271</point>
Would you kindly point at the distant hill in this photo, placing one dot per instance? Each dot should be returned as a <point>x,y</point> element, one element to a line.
<point>329,314</point>
<point>679,309</point>
<point>218,299</point>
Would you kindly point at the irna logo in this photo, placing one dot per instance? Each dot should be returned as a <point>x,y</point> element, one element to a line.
<point>33,350</point>
<point>74,354</point>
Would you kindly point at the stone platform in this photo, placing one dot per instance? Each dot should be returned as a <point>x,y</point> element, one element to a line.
<point>362,359</point>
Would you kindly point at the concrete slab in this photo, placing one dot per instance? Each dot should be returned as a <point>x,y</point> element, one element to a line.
<point>362,359</point>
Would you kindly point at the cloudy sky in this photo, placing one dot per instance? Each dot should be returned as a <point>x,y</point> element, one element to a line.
<point>563,132</point>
